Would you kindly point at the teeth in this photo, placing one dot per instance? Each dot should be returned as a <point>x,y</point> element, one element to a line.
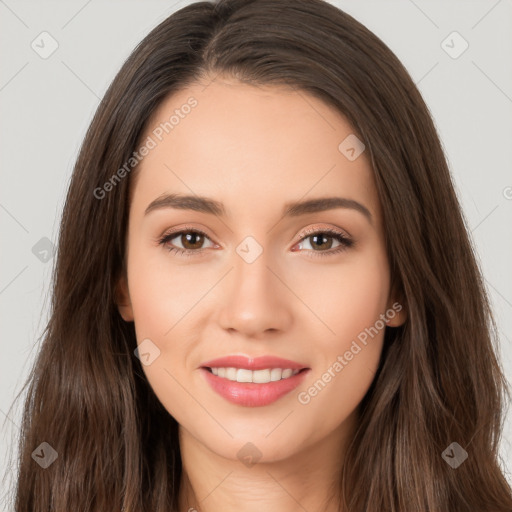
<point>257,376</point>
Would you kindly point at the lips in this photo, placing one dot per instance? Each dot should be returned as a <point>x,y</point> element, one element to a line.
<point>252,394</point>
<point>257,363</point>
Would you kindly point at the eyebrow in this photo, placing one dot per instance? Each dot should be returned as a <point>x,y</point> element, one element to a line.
<point>291,209</point>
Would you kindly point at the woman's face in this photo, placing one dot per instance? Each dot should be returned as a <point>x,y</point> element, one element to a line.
<point>262,280</point>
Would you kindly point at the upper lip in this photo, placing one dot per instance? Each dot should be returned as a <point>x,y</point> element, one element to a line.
<point>256,363</point>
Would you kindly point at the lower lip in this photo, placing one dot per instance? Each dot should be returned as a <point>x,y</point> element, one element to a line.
<point>250,394</point>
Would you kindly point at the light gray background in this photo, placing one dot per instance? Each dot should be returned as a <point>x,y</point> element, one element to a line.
<point>47,104</point>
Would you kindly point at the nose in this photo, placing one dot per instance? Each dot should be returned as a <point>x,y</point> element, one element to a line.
<point>255,299</point>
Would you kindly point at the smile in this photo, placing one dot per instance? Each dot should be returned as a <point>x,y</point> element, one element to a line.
<point>257,376</point>
<point>253,388</point>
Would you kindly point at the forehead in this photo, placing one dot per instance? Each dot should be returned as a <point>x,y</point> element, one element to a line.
<point>245,144</point>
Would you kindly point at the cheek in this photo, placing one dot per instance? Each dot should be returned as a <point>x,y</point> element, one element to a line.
<point>361,297</point>
<point>161,293</point>
<point>160,307</point>
<point>354,298</point>
<point>347,297</point>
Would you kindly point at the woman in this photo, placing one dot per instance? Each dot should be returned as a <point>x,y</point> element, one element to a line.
<point>205,351</point>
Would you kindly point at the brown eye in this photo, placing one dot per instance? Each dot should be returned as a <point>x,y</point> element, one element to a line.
<point>321,241</point>
<point>191,240</point>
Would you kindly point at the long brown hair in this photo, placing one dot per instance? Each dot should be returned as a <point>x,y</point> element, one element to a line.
<point>439,381</point>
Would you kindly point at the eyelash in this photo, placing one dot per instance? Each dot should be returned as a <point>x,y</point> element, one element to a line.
<point>345,242</point>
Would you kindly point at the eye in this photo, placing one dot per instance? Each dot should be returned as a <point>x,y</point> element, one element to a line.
<point>321,238</point>
<point>191,240</point>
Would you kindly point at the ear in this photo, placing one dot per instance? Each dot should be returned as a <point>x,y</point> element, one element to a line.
<point>123,299</point>
<point>396,312</point>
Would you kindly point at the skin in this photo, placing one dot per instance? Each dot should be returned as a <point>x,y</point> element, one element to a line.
<point>255,149</point>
